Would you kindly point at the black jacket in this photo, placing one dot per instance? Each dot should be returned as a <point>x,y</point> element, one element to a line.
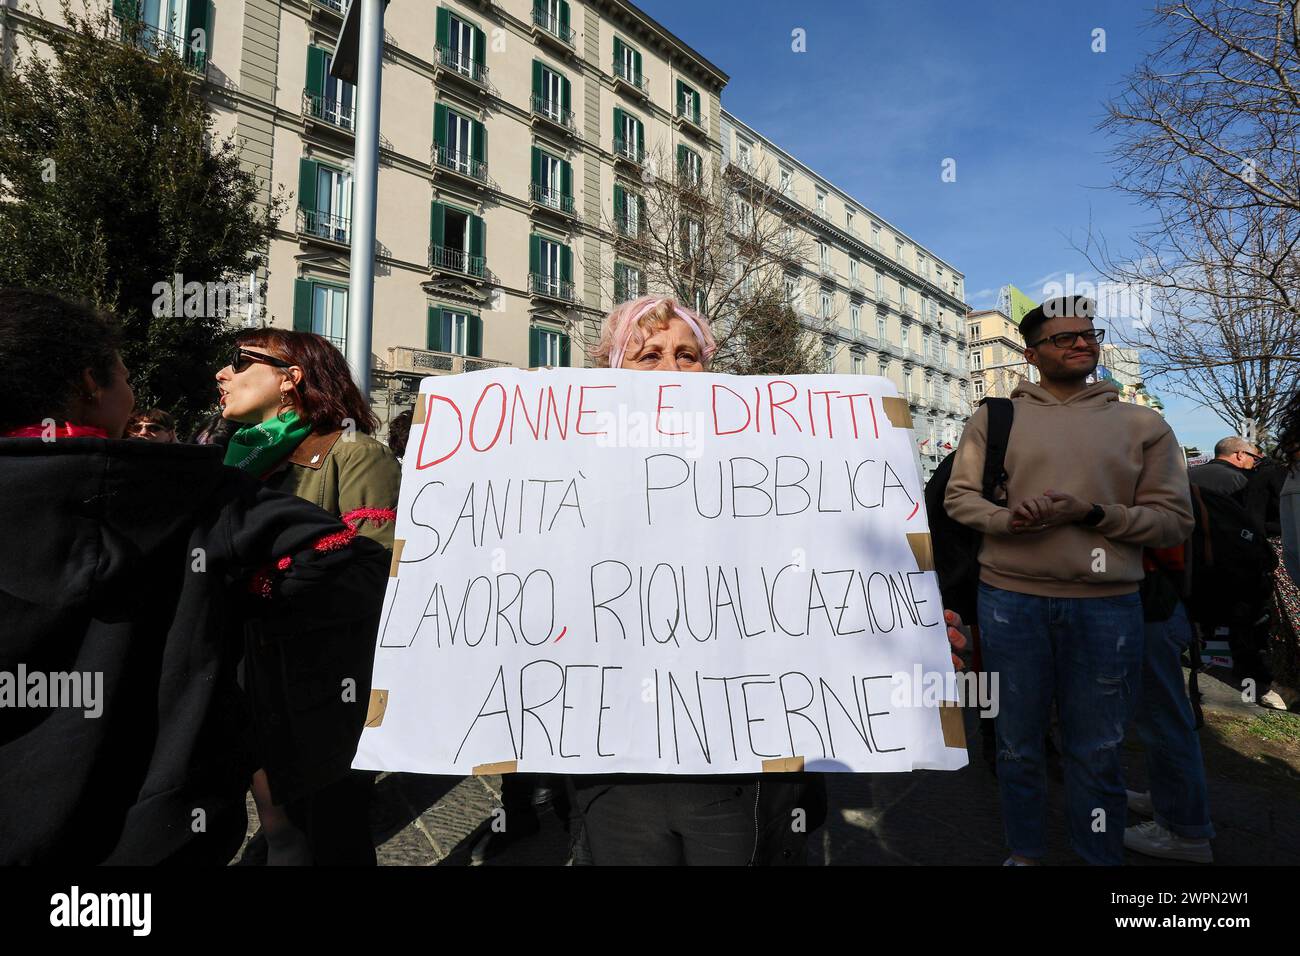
<point>1222,477</point>
<point>133,560</point>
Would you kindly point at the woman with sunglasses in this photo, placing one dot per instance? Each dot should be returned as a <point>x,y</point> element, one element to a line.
<point>307,431</point>
<point>136,566</point>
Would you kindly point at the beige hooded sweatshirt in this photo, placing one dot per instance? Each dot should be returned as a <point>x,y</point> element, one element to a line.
<point>1120,456</point>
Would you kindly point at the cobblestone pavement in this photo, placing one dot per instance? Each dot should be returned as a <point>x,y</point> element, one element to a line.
<point>924,817</point>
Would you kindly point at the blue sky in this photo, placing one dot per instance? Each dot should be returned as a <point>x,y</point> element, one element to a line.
<point>887,90</point>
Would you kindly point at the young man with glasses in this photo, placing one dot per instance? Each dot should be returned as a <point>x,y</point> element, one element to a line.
<point>1089,483</point>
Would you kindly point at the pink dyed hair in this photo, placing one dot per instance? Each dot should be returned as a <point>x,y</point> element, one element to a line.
<point>630,323</point>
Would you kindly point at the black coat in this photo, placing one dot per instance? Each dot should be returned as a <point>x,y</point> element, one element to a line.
<point>133,560</point>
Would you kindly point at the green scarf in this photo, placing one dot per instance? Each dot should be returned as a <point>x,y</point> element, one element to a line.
<point>259,448</point>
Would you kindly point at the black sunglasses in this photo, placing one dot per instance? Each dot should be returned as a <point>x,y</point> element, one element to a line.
<point>240,359</point>
<point>1063,340</point>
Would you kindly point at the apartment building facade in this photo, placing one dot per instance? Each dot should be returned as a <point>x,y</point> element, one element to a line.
<point>894,307</point>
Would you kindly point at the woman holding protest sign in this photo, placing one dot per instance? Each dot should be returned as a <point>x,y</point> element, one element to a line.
<point>307,432</point>
<point>131,570</point>
<point>657,819</point>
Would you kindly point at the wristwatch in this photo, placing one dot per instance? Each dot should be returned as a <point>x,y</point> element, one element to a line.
<point>1093,517</point>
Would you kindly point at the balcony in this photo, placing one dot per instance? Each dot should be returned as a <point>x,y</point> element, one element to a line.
<point>859,337</point>
<point>628,152</point>
<point>631,231</point>
<point>907,309</point>
<point>551,199</point>
<point>635,83</point>
<point>459,163</point>
<point>333,6</point>
<point>330,113</point>
<point>685,119</point>
<point>458,262</point>
<point>324,225</point>
<point>426,362</point>
<point>826,269</point>
<point>550,287</point>
<point>549,111</point>
<point>913,396</point>
<point>549,30</point>
<point>451,63</point>
<point>155,42</point>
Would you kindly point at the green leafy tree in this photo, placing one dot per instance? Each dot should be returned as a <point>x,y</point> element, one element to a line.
<point>111,185</point>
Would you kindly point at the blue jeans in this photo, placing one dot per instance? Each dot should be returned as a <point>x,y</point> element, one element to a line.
<point>1167,727</point>
<point>1087,654</point>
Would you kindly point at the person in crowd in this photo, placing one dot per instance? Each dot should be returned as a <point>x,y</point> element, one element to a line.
<point>215,430</point>
<point>153,425</point>
<point>307,431</point>
<point>1228,472</point>
<point>1232,472</point>
<point>1177,799</point>
<point>399,429</point>
<point>131,572</point>
<point>1288,453</point>
<point>1090,482</point>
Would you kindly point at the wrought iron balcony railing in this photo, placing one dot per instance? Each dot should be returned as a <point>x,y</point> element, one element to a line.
<point>553,111</point>
<point>447,259</point>
<point>324,225</point>
<point>461,63</point>
<point>551,286</point>
<point>552,25</point>
<point>156,41</point>
<point>551,198</point>
<point>459,161</point>
<point>629,150</point>
<point>629,76</point>
<point>328,110</point>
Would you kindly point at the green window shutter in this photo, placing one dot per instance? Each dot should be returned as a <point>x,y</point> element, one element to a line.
<point>475,344</point>
<point>126,9</point>
<point>564,351</point>
<point>564,16</point>
<point>677,99</point>
<point>566,178</point>
<point>477,236</point>
<point>566,93</point>
<point>537,166</point>
<point>566,263</point>
<point>640,136</point>
<point>681,158</point>
<point>440,124</point>
<point>618,123</point>
<point>199,17</point>
<point>618,51</point>
<point>534,347</point>
<point>479,54</point>
<point>437,223</point>
<point>537,78</point>
<point>695,107</point>
<point>478,145</point>
<point>443,29</point>
<point>307,175</point>
<point>302,295</point>
<point>535,254</point>
<point>620,202</point>
<point>434,335</point>
<point>636,66</point>
<point>316,70</point>
<point>620,283</point>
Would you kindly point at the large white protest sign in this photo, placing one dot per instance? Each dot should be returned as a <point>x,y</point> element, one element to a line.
<point>614,571</point>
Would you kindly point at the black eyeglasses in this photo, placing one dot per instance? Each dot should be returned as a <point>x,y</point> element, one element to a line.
<point>1063,340</point>
<point>240,359</point>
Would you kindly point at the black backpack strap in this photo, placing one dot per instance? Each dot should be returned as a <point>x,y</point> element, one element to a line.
<point>1001,412</point>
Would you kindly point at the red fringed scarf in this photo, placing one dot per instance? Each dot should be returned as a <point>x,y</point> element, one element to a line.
<point>263,582</point>
<point>66,430</point>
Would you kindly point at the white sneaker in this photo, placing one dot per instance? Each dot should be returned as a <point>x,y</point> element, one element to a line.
<point>1140,803</point>
<point>1151,839</point>
<point>1272,700</point>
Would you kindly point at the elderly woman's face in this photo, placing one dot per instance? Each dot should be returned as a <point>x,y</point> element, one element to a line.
<point>673,348</point>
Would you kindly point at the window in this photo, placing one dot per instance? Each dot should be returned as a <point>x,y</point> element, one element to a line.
<point>627,62</point>
<point>880,286</point>
<point>882,328</point>
<point>859,365</point>
<point>547,347</point>
<point>898,249</point>
<point>550,261</point>
<point>787,184</point>
<point>976,361</point>
<point>550,266</point>
<point>791,290</point>
<point>824,256</point>
<point>329,313</point>
<point>627,282</point>
<point>328,98</point>
<point>629,135</point>
<point>853,271</point>
<point>828,357</point>
<point>691,241</point>
<point>744,217</point>
<point>688,103</point>
<point>922,265</point>
<point>978,387</point>
<point>460,46</point>
<point>855,318</point>
<point>821,202</point>
<point>549,179</point>
<point>627,211</point>
<point>690,165</point>
<point>973,331</point>
<point>325,197</point>
<point>551,91</point>
<point>827,304</point>
<point>848,222</point>
<point>699,301</point>
<point>875,234</point>
<point>744,154</point>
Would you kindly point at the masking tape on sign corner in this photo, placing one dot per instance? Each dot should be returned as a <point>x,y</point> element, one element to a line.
<point>922,546</point>
<point>896,410</point>
<point>421,409</point>
<point>376,709</point>
<point>492,769</point>
<point>783,765</point>
<point>398,545</point>
<point>952,724</point>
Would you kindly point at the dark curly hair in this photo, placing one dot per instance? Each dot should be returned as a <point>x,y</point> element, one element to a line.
<point>1288,439</point>
<point>46,343</point>
<point>327,395</point>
